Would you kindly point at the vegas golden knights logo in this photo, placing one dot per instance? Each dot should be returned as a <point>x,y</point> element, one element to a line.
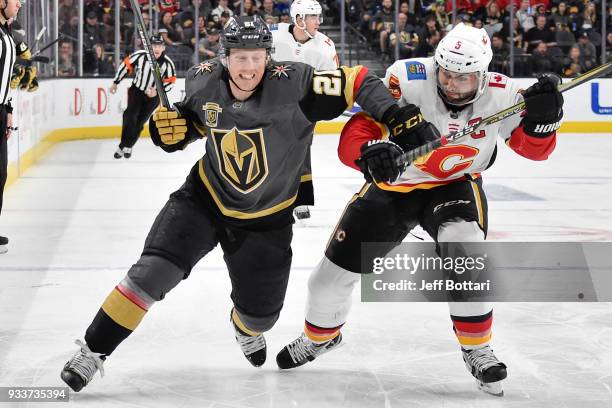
<point>242,157</point>
<point>212,111</point>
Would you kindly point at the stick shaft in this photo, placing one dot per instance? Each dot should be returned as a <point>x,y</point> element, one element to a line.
<point>142,31</point>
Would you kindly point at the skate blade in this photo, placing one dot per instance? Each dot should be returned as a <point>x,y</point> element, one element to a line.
<point>493,388</point>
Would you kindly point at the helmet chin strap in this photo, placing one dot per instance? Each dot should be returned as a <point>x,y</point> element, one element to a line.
<point>304,28</point>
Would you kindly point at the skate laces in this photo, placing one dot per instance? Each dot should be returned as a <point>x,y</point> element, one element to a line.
<point>302,348</point>
<point>85,362</point>
<point>482,358</point>
<point>250,344</point>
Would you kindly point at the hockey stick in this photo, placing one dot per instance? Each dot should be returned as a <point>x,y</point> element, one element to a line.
<point>410,156</point>
<point>142,31</point>
<point>51,44</point>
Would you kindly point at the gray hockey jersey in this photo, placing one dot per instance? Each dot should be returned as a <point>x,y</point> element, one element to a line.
<point>255,148</point>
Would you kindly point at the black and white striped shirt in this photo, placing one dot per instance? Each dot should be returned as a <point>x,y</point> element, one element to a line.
<point>8,53</point>
<point>138,64</point>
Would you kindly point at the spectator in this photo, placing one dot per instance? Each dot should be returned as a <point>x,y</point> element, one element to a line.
<point>354,9</point>
<point>67,10</point>
<point>101,65</point>
<point>442,17</point>
<point>70,29</point>
<point>67,61</point>
<point>250,9</point>
<point>518,35</point>
<point>408,41</point>
<point>428,44</point>
<point>501,54</point>
<point>574,64</point>
<point>168,32</point>
<point>204,8</point>
<point>225,17</point>
<point>525,16</point>
<point>93,33</point>
<point>493,18</point>
<point>588,52</point>
<point>94,6</point>
<point>209,45</point>
<point>540,33</point>
<point>285,17</point>
<point>560,18</point>
<point>189,33</point>
<point>541,60</point>
<point>221,8</point>
<point>268,11</point>
<point>412,18</point>
<point>170,6</point>
<point>588,20</point>
<point>382,25</point>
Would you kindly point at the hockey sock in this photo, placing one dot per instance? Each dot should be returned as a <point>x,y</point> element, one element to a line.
<point>473,332</point>
<point>241,326</point>
<point>320,334</point>
<point>120,314</point>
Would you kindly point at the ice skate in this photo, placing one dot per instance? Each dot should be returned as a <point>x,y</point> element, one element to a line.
<point>487,369</point>
<point>253,347</point>
<point>80,369</point>
<point>3,245</point>
<point>301,212</point>
<point>127,152</point>
<point>118,153</point>
<point>302,350</point>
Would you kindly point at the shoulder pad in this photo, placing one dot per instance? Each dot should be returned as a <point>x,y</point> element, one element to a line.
<point>415,70</point>
<point>498,80</point>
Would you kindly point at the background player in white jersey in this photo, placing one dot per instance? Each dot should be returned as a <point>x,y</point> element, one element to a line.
<point>441,191</point>
<point>301,41</point>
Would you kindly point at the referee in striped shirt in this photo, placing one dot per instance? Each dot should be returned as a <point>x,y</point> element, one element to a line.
<point>142,96</point>
<point>8,51</point>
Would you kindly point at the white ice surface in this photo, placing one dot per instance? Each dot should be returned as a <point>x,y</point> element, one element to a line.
<point>78,220</point>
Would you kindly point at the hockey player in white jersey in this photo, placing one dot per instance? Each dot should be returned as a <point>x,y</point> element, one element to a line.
<point>441,191</point>
<point>301,41</point>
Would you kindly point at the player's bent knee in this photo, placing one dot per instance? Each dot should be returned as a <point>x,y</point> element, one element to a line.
<point>155,275</point>
<point>460,230</point>
<point>258,323</point>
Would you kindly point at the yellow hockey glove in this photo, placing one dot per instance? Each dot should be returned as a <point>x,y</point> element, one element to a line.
<point>171,126</point>
<point>18,74</point>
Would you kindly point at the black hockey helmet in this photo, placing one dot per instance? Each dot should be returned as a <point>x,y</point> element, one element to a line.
<point>246,32</point>
<point>156,39</point>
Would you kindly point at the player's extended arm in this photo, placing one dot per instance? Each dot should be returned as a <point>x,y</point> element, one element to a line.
<point>535,137</point>
<point>360,148</point>
<point>326,94</point>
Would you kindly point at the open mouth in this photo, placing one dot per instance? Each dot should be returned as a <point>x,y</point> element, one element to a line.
<point>247,77</point>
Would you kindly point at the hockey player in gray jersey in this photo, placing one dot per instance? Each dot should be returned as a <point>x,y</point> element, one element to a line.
<point>258,116</point>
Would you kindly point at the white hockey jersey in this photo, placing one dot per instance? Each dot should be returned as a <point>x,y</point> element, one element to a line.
<point>318,52</point>
<point>413,81</point>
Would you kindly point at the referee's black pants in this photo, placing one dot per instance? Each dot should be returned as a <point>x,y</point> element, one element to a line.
<point>3,152</point>
<point>139,109</point>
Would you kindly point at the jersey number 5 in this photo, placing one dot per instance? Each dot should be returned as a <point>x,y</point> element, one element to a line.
<point>327,83</point>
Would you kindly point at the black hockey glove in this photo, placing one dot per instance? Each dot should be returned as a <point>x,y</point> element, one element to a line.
<point>408,127</point>
<point>378,161</point>
<point>544,106</point>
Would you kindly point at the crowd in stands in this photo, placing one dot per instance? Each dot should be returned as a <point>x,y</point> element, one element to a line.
<point>546,35</point>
